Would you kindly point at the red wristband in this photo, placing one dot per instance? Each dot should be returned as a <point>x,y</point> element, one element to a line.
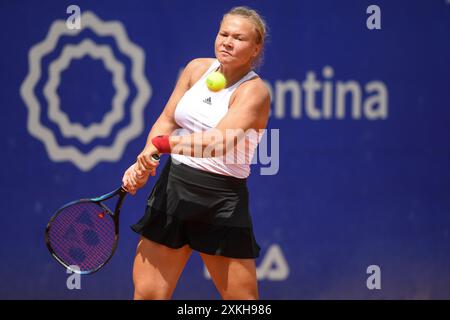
<point>162,143</point>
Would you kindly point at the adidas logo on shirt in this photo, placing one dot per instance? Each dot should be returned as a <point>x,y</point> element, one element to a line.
<point>208,101</point>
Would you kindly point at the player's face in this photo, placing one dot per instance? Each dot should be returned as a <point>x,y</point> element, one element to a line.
<point>236,41</point>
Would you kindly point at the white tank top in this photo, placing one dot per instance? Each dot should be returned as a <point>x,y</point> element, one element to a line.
<point>201,109</point>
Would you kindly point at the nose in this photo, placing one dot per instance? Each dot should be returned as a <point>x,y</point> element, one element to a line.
<point>227,42</point>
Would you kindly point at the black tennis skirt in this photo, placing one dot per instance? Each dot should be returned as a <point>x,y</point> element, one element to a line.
<point>207,211</point>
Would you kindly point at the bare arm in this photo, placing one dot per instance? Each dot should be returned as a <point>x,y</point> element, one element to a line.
<point>137,175</point>
<point>166,125</point>
<point>249,110</point>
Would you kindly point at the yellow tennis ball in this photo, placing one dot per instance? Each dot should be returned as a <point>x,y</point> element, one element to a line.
<point>216,81</point>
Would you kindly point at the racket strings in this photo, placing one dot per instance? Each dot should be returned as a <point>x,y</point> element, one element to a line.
<point>83,234</point>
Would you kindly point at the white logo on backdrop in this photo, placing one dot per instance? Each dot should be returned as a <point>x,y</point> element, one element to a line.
<point>328,99</point>
<point>273,266</point>
<point>56,152</point>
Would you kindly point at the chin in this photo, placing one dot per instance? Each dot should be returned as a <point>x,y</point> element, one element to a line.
<point>225,60</point>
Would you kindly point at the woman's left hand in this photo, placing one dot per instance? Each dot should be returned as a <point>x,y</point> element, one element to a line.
<point>145,162</point>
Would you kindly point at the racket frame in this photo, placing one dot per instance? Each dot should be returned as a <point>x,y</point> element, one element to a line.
<point>99,201</point>
<point>114,215</point>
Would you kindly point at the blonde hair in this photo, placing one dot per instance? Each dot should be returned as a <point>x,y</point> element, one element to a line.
<point>260,27</point>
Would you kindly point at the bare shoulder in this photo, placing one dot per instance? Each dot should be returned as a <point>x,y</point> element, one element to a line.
<point>255,88</point>
<point>196,68</point>
<point>251,101</point>
<point>200,62</point>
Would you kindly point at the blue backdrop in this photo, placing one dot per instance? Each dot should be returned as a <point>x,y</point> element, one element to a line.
<point>363,115</point>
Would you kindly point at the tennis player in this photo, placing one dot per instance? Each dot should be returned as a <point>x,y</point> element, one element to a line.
<point>200,201</point>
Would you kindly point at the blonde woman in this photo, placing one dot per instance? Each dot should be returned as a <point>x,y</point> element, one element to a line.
<point>200,201</point>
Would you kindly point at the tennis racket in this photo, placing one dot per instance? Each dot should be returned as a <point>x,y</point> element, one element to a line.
<point>83,235</point>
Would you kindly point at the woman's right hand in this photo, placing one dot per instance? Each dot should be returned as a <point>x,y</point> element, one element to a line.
<point>132,181</point>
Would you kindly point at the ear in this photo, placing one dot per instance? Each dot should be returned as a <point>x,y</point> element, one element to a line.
<point>257,50</point>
